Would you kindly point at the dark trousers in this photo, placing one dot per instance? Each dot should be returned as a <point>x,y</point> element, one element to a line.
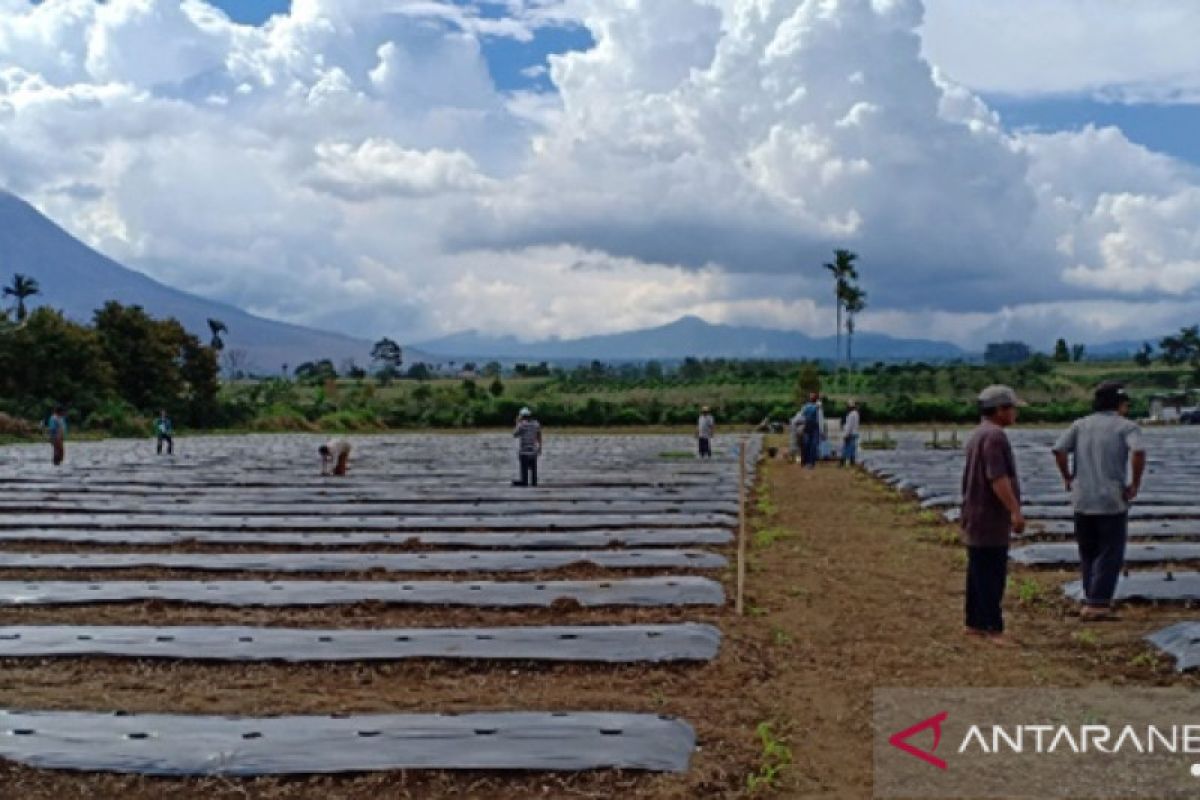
<point>170,444</point>
<point>987,572</point>
<point>58,452</point>
<point>1101,539</point>
<point>811,448</point>
<point>705,447</point>
<point>528,470</point>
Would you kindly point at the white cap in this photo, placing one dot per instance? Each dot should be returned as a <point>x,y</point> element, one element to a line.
<point>525,412</point>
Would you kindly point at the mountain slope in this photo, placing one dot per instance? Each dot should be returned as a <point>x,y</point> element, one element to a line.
<point>689,336</point>
<point>79,280</point>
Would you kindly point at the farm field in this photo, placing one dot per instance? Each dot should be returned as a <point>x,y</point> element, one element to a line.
<point>852,585</point>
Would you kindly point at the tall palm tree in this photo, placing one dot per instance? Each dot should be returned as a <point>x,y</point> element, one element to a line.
<point>844,274</point>
<point>22,287</point>
<point>217,327</point>
<point>855,300</point>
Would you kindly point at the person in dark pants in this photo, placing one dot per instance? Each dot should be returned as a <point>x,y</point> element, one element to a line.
<point>165,432</point>
<point>528,434</point>
<point>56,426</point>
<point>1102,485</point>
<point>706,429</point>
<point>810,438</point>
<point>991,512</point>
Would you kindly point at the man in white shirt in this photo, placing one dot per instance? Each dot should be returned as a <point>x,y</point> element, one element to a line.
<point>850,435</point>
<point>336,454</point>
<point>706,428</point>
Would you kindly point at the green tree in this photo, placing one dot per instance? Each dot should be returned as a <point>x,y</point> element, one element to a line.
<point>51,360</point>
<point>22,288</point>
<point>1145,356</point>
<point>1077,352</point>
<point>808,381</point>
<point>1062,352</point>
<point>844,274</point>
<point>217,328</point>
<point>144,354</point>
<point>419,372</point>
<point>496,388</point>
<point>386,354</point>
<point>855,301</point>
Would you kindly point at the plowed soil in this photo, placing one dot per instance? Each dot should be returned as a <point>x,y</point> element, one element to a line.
<point>850,587</point>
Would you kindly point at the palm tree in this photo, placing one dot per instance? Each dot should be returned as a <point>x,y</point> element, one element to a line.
<point>844,274</point>
<point>22,287</point>
<point>855,300</point>
<point>217,327</point>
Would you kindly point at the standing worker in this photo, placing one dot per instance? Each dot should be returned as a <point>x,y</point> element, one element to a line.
<point>706,428</point>
<point>1102,444</point>
<point>335,452</point>
<point>56,426</point>
<point>991,512</point>
<point>165,432</point>
<point>528,434</point>
<point>810,438</point>
<point>850,435</point>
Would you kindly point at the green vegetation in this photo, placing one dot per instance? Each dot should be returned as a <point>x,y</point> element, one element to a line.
<point>774,759</point>
<point>115,373</point>
<point>112,375</point>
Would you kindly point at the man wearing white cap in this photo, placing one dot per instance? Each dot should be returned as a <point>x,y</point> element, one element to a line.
<point>850,435</point>
<point>528,434</point>
<point>991,511</point>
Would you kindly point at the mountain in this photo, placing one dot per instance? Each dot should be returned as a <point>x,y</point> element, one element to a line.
<point>78,280</point>
<point>688,336</point>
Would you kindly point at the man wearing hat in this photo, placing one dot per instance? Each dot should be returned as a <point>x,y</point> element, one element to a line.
<point>1101,447</point>
<point>991,511</point>
<point>706,428</point>
<point>528,434</point>
<point>850,435</point>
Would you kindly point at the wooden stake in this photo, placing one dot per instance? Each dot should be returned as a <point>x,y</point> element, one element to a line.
<point>741,556</point>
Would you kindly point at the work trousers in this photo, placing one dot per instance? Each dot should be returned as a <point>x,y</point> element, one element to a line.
<point>987,573</point>
<point>528,470</point>
<point>1101,539</point>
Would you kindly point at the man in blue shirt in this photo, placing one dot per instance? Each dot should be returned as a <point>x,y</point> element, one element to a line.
<point>56,426</point>
<point>165,432</point>
<point>810,436</point>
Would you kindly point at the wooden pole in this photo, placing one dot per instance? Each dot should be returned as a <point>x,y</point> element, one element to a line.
<point>741,556</point>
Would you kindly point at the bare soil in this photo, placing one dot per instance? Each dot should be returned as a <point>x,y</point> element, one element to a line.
<point>850,587</point>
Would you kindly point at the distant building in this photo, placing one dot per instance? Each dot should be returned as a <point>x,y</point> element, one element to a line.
<point>1171,407</point>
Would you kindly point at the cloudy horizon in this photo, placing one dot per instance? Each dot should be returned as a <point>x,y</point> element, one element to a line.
<point>564,168</point>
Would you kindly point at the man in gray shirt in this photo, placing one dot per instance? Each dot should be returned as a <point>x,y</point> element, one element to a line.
<point>528,434</point>
<point>1101,446</point>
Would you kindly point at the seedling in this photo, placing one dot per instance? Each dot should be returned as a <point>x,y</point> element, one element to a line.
<point>775,758</point>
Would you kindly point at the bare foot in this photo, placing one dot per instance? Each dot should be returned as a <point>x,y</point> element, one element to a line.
<point>1002,640</point>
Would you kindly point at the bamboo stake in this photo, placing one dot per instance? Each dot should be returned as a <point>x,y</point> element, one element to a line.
<point>741,556</point>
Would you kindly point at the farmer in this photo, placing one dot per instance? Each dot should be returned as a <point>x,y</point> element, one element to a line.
<point>706,428</point>
<point>810,437</point>
<point>56,426</point>
<point>528,434</point>
<point>991,511</point>
<point>850,435</point>
<point>335,452</point>
<point>1103,445</point>
<point>165,432</point>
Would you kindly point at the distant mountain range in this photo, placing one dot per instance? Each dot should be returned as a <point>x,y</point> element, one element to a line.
<point>688,336</point>
<point>78,280</point>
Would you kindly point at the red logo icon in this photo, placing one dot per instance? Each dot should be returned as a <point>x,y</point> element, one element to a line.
<point>900,740</point>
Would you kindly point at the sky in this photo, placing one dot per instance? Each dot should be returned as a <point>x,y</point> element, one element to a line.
<point>1004,168</point>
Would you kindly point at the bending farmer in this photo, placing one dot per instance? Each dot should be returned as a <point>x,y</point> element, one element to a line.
<point>335,453</point>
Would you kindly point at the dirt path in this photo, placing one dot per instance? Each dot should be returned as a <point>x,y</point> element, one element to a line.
<point>851,587</point>
<point>868,590</point>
